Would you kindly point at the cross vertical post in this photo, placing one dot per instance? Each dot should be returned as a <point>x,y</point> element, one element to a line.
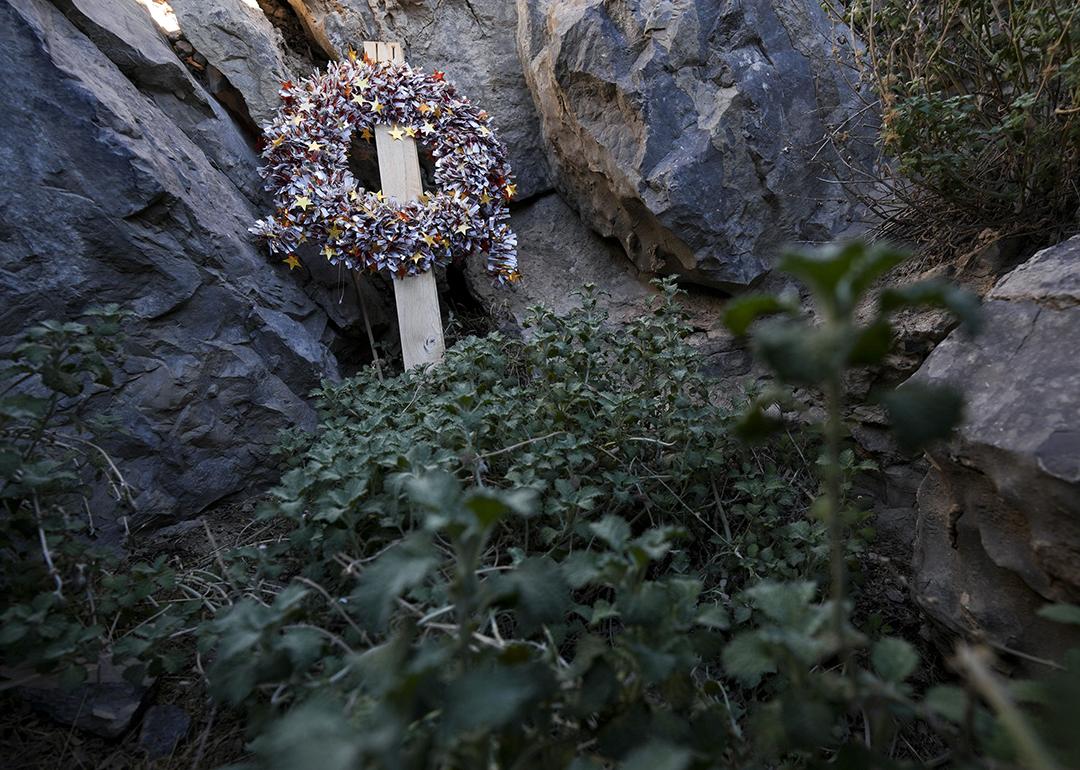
<point>416,297</point>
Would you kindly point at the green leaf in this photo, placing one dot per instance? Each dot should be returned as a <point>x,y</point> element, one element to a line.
<point>493,697</point>
<point>742,311</point>
<point>960,302</point>
<point>613,530</point>
<point>747,659</point>
<point>921,413</point>
<point>948,701</point>
<point>541,592</point>
<point>404,566</point>
<point>658,755</point>
<point>801,355</point>
<point>1061,613</point>
<point>871,344</point>
<point>783,603</point>
<point>315,734</point>
<point>715,617</point>
<point>20,406</point>
<point>894,660</point>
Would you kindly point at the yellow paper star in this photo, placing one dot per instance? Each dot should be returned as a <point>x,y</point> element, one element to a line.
<point>484,197</point>
<point>352,55</point>
<point>424,198</point>
<point>353,195</point>
<point>357,99</point>
<point>380,196</point>
<point>297,120</point>
<point>302,202</point>
<point>277,140</point>
<point>377,106</point>
<point>328,252</point>
<point>484,131</point>
<point>462,228</point>
<point>417,257</point>
<point>334,232</point>
<point>429,239</point>
<point>425,108</point>
<point>361,83</point>
<point>366,134</point>
<point>428,127</point>
<point>292,262</point>
<point>410,131</point>
<point>511,190</point>
<point>314,146</point>
<point>396,133</point>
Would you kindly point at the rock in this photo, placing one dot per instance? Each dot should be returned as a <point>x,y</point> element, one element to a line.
<point>113,193</point>
<point>999,515</point>
<point>105,705</point>
<point>240,42</point>
<point>163,727</point>
<point>125,33</point>
<point>687,130</point>
<point>473,42</point>
<point>558,255</point>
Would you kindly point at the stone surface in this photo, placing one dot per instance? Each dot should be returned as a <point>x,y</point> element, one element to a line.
<point>999,519</point>
<point>114,194</point>
<point>686,130</point>
<point>473,42</point>
<point>239,41</point>
<point>558,255</point>
<point>163,727</point>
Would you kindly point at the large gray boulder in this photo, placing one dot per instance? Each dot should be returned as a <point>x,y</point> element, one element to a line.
<point>473,42</point>
<point>239,41</point>
<point>688,130</point>
<point>124,182</point>
<point>999,514</point>
<point>558,254</point>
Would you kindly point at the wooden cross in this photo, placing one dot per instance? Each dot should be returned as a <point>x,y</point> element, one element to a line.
<point>419,320</point>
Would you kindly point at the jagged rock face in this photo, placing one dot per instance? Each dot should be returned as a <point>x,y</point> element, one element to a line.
<point>686,129</point>
<point>239,41</point>
<point>557,255</point>
<point>999,516</point>
<point>473,42</point>
<point>124,182</point>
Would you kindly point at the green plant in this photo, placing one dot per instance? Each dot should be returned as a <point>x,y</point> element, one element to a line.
<point>980,109</point>
<point>68,600</point>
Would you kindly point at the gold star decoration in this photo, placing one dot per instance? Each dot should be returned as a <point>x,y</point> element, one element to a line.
<point>297,120</point>
<point>357,99</point>
<point>353,195</point>
<point>429,239</point>
<point>361,83</point>
<point>484,197</point>
<point>511,190</point>
<point>417,257</point>
<point>425,108</point>
<point>292,262</point>
<point>463,228</point>
<point>314,146</point>
<point>376,106</point>
<point>410,131</point>
<point>396,133</point>
<point>335,232</point>
<point>428,127</point>
<point>302,202</point>
<point>366,134</point>
<point>380,196</point>
<point>328,252</point>
<point>277,140</point>
<point>484,131</point>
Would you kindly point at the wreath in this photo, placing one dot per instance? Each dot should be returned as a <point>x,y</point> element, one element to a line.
<point>317,199</point>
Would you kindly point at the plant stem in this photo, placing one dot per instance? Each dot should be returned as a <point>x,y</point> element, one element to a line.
<point>833,428</point>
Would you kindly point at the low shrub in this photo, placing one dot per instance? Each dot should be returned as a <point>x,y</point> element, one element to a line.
<point>980,112</point>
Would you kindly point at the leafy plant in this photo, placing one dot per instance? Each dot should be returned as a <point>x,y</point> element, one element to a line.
<point>980,109</point>
<point>67,600</point>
